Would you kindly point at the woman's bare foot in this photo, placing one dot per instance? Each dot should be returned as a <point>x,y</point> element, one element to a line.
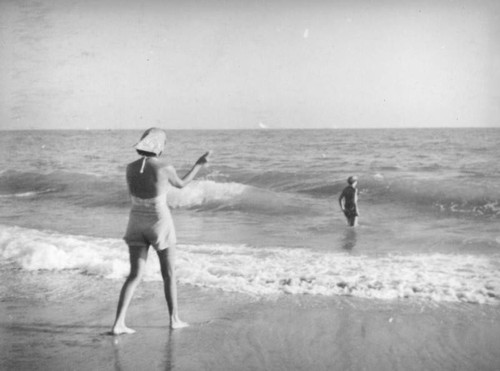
<point>118,330</point>
<point>177,323</point>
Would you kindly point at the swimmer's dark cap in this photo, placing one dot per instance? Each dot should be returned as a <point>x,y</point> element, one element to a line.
<point>352,179</point>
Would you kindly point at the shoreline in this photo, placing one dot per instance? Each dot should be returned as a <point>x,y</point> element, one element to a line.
<point>233,331</point>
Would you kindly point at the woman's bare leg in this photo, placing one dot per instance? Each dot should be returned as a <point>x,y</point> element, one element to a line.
<point>138,258</point>
<point>167,261</point>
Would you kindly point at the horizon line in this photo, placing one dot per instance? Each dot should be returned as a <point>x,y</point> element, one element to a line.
<point>261,129</point>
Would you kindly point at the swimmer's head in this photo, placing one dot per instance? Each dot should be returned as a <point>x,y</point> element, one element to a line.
<point>152,142</point>
<point>352,179</point>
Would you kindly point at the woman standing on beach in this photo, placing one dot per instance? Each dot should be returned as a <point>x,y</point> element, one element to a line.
<point>150,222</point>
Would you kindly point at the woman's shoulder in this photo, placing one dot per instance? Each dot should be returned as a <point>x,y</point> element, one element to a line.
<point>162,166</point>
<point>160,163</point>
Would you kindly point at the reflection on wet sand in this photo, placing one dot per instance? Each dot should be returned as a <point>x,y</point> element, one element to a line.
<point>350,238</point>
<point>129,351</point>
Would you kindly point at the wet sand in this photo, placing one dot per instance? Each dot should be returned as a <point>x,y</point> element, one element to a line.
<point>235,332</point>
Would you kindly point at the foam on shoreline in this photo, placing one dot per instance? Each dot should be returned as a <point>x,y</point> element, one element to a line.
<point>270,271</point>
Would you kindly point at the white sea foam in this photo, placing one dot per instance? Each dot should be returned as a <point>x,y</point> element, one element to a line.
<point>437,277</point>
<point>205,191</point>
<point>271,271</point>
<point>32,249</point>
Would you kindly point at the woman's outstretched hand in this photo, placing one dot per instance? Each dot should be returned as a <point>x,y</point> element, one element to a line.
<point>203,159</point>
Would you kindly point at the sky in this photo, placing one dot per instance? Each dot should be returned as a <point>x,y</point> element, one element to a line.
<point>245,64</point>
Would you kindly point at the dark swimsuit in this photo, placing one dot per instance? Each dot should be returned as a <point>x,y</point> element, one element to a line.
<point>350,210</point>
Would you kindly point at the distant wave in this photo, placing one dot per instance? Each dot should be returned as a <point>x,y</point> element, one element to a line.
<point>27,194</point>
<point>263,272</point>
<point>448,196</point>
<point>436,196</point>
<point>211,195</point>
<point>89,190</point>
<point>21,184</point>
<point>268,193</point>
<point>86,190</point>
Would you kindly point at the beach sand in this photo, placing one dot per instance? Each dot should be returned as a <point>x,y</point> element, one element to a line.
<point>49,328</point>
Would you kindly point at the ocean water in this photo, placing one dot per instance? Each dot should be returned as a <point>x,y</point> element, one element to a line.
<point>263,219</point>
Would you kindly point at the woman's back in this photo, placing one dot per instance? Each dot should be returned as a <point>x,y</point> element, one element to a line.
<point>151,182</point>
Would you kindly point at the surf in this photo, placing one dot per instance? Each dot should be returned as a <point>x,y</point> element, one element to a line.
<point>265,272</point>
